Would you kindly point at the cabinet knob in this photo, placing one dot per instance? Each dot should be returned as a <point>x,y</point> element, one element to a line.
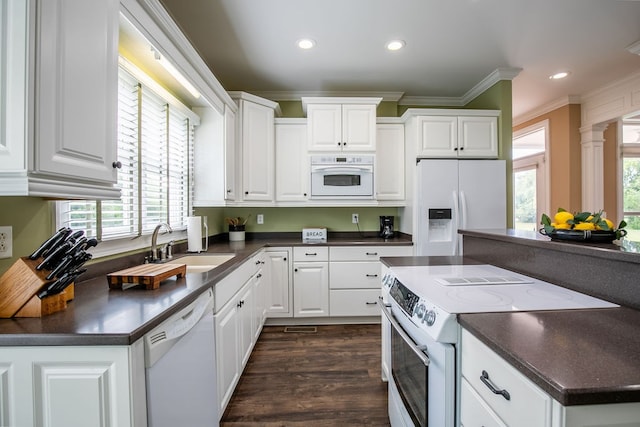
<point>284,259</point>
<point>229,191</point>
<point>295,269</point>
<point>455,149</point>
<point>259,275</point>
<point>461,148</point>
<point>246,192</point>
<point>304,194</point>
<point>117,165</point>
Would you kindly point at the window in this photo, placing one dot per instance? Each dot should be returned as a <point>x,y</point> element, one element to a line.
<point>631,179</point>
<point>155,148</point>
<point>529,175</point>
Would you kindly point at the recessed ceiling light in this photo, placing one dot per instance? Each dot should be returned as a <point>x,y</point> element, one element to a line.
<point>558,76</point>
<point>395,44</point>
<point>305,43</point>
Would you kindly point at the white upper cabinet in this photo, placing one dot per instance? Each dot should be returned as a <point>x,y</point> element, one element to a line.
<point>292,161</point>
<point>59,136</point>
<point>76,95</point>
<point>455,133</point>
<point>390,159</point>
<point>341,124</point>
<point>255,127</point>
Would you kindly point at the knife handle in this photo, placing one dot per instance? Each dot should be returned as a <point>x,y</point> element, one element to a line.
<point>60,267</point>
<point>54,256</point>
<point>60,234</point>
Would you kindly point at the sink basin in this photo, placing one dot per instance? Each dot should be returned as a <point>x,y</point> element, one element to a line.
<point>202,263</point>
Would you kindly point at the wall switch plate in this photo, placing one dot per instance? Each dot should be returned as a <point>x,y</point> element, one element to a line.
<point>355,218</point>
<point>260,219</point>
<point>6,242</point>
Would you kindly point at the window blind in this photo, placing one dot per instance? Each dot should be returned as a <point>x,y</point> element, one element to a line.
<point>155,148</point>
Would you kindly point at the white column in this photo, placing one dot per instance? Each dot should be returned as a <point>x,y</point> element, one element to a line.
<point>592,142</point>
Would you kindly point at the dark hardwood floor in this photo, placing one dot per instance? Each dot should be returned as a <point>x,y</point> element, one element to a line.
<point>327,378</point>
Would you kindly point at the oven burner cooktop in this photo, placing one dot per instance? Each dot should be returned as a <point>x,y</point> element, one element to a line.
<point>431,296</point>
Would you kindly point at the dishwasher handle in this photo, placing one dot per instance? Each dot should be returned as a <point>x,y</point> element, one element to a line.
<point>160,340</point>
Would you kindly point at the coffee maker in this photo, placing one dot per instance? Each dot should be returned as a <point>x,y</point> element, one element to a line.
<point>386,227</point>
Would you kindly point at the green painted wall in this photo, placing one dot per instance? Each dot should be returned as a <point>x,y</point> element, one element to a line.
<point>32,222</point>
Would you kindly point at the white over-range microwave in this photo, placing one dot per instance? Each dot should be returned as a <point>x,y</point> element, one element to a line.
<point>342,177</point>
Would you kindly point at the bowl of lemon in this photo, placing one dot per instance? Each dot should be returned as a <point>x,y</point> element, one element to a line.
<point>581,227</point>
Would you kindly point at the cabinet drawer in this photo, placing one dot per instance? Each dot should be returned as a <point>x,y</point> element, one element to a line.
<point>310,253</point>
<point>354,302</point>
<point>367,253</point>
<point>528,404</point>
<point>474,411</point>
<point>354,275</point>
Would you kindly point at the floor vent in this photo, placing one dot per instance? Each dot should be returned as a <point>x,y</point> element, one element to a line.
<point>301,329</point>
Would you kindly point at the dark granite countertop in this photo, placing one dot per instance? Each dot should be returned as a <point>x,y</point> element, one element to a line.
<point>577,356</point>
<point>100,316</point>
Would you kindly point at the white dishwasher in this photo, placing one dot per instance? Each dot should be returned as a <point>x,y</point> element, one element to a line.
<point>180,368</point>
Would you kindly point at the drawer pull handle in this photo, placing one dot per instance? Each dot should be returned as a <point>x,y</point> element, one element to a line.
<point>372,253</point>
<point>485,379</point>
<point>371,303</point>
<point>311,254</point>
<point>372,275</point>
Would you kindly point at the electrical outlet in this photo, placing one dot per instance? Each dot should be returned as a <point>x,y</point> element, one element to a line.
<point>260,219</point>
<point>6,242</point>
<point>355,218</point>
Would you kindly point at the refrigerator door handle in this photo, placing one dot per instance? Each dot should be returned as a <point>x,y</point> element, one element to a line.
<point>463,209</point>
<point>455,221</point>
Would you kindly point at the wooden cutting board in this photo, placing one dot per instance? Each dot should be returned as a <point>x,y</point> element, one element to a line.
<point>149,275</point>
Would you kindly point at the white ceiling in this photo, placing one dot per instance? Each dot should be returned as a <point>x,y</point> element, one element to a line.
<point>451,45</point>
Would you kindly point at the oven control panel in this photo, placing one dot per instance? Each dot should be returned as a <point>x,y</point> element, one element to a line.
<point>439,324</point>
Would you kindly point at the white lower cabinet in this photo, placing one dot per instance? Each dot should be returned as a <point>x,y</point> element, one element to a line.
<point>528,404</point>
<point>355,278</point>
<point>310,281</point>
<point>73,386</point>
<point>277,272</point>
<point>238,322</point>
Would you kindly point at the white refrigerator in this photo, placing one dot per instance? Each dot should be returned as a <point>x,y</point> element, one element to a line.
<point>457,194</point>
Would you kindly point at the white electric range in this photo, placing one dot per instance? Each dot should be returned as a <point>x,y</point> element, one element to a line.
<point>421,304</point>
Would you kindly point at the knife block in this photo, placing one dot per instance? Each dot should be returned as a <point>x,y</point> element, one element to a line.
<point>18,292</point>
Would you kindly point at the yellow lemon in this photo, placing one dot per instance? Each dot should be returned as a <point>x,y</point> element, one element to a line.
<point>585,226</point>
<point>562,217</point>
<point>563,226</point>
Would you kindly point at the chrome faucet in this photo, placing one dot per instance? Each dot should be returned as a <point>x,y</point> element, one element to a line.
<point>154,241</point>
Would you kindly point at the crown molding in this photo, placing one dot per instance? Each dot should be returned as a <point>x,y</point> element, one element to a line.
<point>497,75</point>
<point>546,108</point>
<point>297,95</point>
<point>493,78</point>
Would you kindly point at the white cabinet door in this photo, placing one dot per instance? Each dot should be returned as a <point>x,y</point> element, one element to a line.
<point>278,274</point>
<point>437,136</point>
<point>311,289</point>
<point>477,136</point>
<point>209,159</point>
<point>389,172</point>
<point>71,386</point>
<point>230,155</point>
<point>358,127</point>
<point>246,309</point>
<point>227,331</point>
<point>76,90</point>
<point>324,127</point>
<point>257,137</point>
<point>292,162</point>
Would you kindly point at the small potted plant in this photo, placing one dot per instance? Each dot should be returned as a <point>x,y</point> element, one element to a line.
<point>236,228</point>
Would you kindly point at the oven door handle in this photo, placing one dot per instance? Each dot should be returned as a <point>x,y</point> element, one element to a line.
<point>343,169</point>
<point>418,350</point>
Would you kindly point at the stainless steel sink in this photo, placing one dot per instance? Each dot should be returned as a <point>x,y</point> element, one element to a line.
<point>202,263</point>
